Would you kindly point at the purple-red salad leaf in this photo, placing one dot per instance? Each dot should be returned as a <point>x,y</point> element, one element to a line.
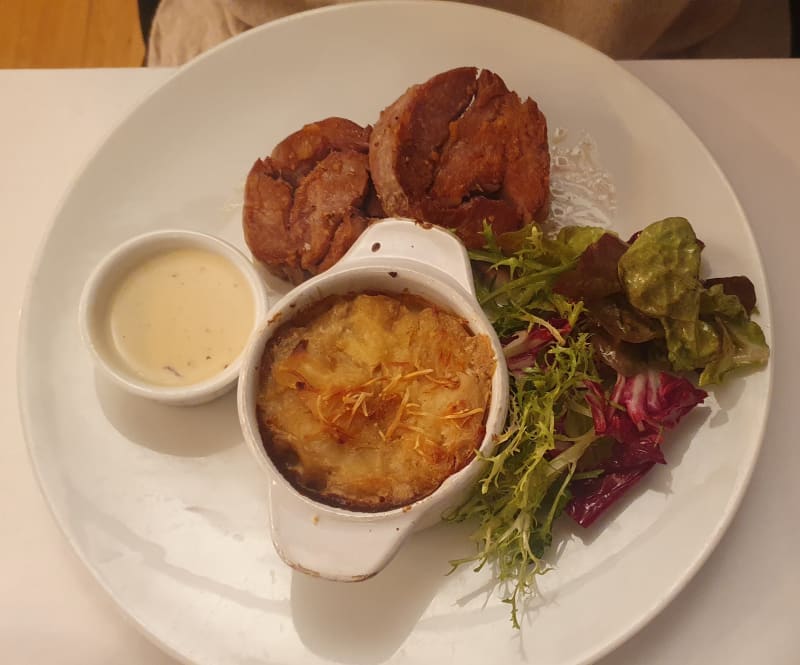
<point>622,321</point>
<point>595,274</point>
<point>657,398</point>
<point>635,414</point>
<point>523,348</point>
<point>593,496</point>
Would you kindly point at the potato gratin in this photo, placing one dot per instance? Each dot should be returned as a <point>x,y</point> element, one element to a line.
<point>370,402</point>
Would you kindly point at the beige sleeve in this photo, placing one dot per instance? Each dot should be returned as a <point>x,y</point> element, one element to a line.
<point>183,29</point>
<point>619,28</point>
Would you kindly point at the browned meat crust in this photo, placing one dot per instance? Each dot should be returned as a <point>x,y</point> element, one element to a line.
<point>267,204</point>
<point>404,142</point>
<point>467,219</point>
<point>455,151</point>
<point>328,198</point>
<point>306,204</point>
<point>300,152</point>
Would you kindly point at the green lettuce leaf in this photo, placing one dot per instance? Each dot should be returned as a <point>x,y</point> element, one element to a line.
<point>659,272</point>
<point>706,328</point>
<point>715,302</point>
<point>736,285</point>
<point>742,342</point>
<point>690,344</point>
<point>576,239</point>
<point>660,275</point>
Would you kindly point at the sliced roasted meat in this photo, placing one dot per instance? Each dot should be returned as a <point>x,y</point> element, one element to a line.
<point>305,205</point>
<point>473,156</point>
<point>526,185</point>
<point>300,152</point>
<point>458,150</point>
<point>332,193</point>
<point>267,204</point>
<point>404,143</point>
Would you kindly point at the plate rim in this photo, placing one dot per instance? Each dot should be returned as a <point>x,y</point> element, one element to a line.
<point>744,477</point>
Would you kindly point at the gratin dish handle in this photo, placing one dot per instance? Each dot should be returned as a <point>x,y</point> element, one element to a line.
<point>398,238</point>
<point>319,543</point>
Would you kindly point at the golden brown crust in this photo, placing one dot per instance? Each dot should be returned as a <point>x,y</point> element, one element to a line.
<point>370,402</point>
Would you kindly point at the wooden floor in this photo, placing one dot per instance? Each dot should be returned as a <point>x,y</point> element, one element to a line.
<point>70,33</point>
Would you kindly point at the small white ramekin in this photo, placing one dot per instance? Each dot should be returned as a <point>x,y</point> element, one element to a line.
<point>119,262</point>
<point>392,256</point>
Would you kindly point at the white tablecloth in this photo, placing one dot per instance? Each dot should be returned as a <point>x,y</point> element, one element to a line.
<point>743,606</point>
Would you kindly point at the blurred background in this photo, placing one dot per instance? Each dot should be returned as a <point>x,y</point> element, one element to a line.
<point>112,33</point>
<point>70,33</point>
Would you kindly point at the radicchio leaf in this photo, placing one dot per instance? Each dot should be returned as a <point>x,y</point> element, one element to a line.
<point>593,496</point>
<point>635,415</point>
<point>522,349</point>
<point>656,398</point>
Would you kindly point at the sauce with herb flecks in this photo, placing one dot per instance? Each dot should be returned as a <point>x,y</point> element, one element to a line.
<point>180,317</point>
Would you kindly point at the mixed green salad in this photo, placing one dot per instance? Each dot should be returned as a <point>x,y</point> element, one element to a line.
<point>609,344</point>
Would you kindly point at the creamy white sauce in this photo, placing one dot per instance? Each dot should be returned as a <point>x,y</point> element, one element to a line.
<point>180,317</point>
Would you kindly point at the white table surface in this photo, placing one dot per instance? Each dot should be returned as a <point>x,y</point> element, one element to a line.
<point>743,606</point>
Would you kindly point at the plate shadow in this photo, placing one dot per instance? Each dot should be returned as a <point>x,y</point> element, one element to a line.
<point>364,623</point>
<point>182,431</point>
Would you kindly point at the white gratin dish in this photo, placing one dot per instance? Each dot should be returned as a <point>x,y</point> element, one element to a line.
<point>392,256</point>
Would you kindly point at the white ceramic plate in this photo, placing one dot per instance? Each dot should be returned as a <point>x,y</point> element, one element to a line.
<point>164,504</point>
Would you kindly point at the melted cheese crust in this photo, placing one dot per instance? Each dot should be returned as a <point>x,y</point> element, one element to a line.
<point>370,402</point>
